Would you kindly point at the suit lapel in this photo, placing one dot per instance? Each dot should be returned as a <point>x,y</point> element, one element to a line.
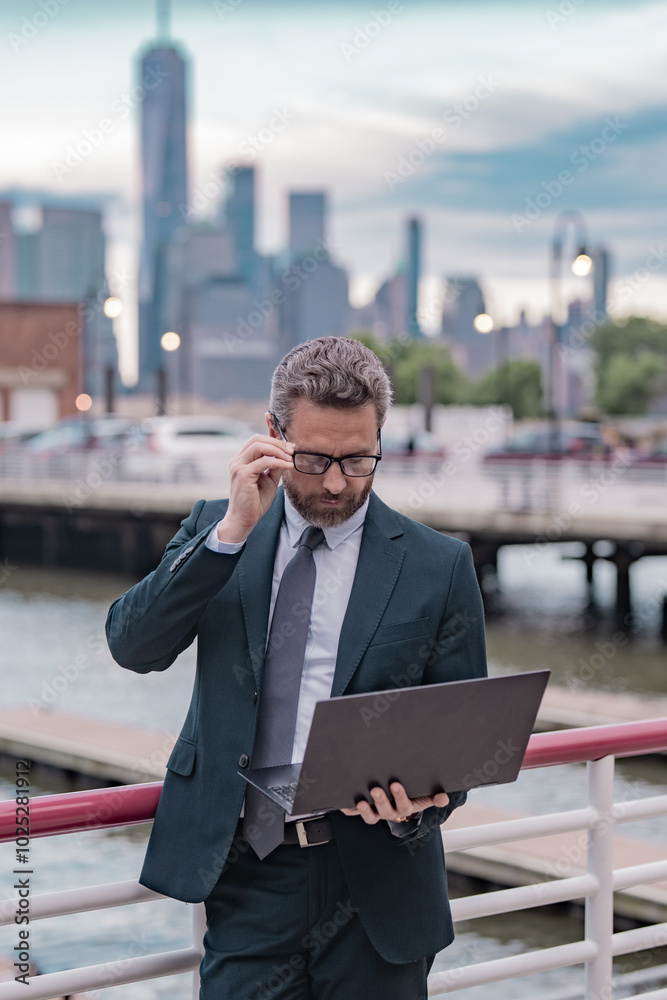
<point>380,560</point>
<point>255,576</point>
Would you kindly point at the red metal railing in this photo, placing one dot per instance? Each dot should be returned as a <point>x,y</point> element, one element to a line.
<point>70,812</point>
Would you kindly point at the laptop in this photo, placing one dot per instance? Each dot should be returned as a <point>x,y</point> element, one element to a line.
<point>433,738</point>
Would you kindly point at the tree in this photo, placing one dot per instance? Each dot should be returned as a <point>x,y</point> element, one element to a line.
<point>404,359</point>
<point>517,383</point>
<point>631,383</point>
<point>631,364</point>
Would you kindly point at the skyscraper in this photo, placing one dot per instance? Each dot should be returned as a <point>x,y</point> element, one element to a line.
<point>464,300</point>
<point>314,289</point>
<point>601,265</point>
<point>412,278</point>
<point>62,260</point>
<point>164,187</point>
<point>7,253</point>
<point>307,210</point>
<point>239,211</point>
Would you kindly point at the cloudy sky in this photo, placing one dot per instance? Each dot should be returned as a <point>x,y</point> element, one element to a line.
<point>465,112</point>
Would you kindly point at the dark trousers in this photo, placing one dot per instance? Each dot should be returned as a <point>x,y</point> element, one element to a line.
<point>285,929</point>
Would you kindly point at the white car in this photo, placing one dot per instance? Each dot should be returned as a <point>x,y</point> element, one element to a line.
<point>184,449</point>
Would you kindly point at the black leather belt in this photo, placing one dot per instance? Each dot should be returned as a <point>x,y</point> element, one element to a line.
<point>310,832</point>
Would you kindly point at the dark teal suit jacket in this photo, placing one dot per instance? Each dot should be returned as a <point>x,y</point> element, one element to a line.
<point>414,616</point>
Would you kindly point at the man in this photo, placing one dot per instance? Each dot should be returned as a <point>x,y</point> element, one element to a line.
<point>295,595</point>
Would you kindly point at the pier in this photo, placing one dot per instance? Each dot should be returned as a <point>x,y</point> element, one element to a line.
<point>120,526</point>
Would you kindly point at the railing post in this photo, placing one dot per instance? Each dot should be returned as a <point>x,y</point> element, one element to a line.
<point>198,931</point>
<point>600,863</point>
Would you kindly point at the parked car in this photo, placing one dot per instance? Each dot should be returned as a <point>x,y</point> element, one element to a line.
<point>79,434</point>
<point>182,449</point>
<point>68,449</point>
<point>579,442</point>
<point>14,433</point>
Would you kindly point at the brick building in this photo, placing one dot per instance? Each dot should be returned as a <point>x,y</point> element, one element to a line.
<point>40,360</point>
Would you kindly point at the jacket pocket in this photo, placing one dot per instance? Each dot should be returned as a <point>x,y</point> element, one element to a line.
<point>182,758</point>
<point>401,630</point>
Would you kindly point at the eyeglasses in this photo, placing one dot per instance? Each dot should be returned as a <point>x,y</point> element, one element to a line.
<point>316,465</point>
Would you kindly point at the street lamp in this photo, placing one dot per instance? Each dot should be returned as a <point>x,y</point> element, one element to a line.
<point>580,265</point>
<point>113,307</point>
<point>483,323</point>
<point>169,342</point>
<point>83,402</point>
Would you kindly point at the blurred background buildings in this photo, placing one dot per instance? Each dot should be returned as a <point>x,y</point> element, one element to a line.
<point>234,310</point>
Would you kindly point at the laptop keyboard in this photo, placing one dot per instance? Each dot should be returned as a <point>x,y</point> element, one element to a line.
<point>286,792</point>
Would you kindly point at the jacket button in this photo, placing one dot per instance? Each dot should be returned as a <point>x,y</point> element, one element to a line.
<point>254,697</point>
<point>244,760</point>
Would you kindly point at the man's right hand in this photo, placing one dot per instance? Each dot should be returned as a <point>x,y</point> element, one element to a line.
<point>255,475</point>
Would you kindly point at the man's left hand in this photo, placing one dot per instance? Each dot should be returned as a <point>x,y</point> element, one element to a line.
<point>401,809</point>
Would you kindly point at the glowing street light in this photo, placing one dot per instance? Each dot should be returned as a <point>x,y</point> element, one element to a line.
<point>112,307</point>
<point>483,323</point>
<point>83,402</point>
<point>170,341</point>
<point>582,265</point>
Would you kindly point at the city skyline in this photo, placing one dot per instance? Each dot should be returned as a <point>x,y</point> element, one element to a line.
<point>320,110</point>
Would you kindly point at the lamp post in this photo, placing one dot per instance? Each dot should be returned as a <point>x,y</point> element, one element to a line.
<point>169,342</point>
<point>581,265</point>
<point>112,309</point>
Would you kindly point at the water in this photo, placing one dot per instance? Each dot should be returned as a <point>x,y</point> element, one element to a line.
<point>54,656</point>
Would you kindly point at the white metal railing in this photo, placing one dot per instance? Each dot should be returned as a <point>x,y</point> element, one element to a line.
<point>106,974</point>
<point>596,886</point>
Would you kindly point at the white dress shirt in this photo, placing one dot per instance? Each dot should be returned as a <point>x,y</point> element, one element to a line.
<point>336,564</point>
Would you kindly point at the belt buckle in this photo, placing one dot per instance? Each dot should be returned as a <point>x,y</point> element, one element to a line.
<point>301,833</point>
<point>300,825</point>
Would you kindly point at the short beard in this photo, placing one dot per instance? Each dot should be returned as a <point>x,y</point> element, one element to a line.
<point>327,517</point>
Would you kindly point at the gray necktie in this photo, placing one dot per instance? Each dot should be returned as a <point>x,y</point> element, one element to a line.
<point>264,821</point>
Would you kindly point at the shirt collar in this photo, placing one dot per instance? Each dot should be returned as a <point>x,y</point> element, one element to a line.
<point>296,525</point>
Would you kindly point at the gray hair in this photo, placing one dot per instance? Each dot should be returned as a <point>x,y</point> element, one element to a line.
<point>330,371</point>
